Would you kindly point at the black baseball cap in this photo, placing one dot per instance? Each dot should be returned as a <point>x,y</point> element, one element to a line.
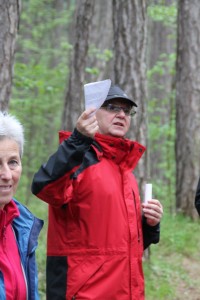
<point>115,92</point>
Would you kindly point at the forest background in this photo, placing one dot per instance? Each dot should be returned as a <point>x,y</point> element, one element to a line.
<point>51,48</point>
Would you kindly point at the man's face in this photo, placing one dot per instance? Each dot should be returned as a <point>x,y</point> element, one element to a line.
<point>111,122</point>
<point>10,170</point>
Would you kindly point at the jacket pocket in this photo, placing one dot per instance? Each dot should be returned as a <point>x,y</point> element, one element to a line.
<point>81,273</point>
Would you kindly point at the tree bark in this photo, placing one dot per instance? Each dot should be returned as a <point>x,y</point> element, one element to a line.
<point>74,103</point>
<point>101,41</point>
<point>187,106</point>
<point>9,23</point>
<point>129,22</point>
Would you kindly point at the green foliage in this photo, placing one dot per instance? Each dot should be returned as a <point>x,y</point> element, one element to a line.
<point>99,55</point>
<point>161,108</point>
<point>163,13</point>
<point>104,55</point>
<point>165,64</point>
<point>93,71</point>
<point>161,129</point>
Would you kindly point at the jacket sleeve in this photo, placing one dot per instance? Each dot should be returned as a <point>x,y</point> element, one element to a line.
<point>151,234</point>
<point>197,198</point>
<point>52,181</point>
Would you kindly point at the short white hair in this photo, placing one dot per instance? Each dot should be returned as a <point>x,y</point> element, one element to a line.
<point>11,128</point>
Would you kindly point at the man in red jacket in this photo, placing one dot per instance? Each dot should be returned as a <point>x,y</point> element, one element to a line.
<point>98,228</point>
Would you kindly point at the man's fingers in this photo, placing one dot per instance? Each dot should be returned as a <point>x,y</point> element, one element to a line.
<point>153,211</point>
<point>87,123</point>
<point>87,113</point>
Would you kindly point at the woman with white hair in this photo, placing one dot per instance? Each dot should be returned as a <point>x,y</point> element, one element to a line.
<point>19,228</point>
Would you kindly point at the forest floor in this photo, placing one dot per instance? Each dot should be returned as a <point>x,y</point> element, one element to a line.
<point>189,288</point>
<point>173,271</point>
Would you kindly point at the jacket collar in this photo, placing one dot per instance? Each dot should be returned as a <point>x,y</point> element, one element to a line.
<point>120,150</point>
<point>7,214</point>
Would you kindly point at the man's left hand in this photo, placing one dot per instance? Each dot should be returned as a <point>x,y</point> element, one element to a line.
<point>153,211</point>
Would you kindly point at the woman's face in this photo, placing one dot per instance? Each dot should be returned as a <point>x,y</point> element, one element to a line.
<point>10,170</point>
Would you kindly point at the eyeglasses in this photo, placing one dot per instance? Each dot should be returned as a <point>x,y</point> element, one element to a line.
<point>128,111</point>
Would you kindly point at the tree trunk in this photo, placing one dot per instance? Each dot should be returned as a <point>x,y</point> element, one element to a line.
<point>74,103</point>
<point>187,106</point>
<point>129,21</point>
<point>9,22</point>
<point>99,60</point>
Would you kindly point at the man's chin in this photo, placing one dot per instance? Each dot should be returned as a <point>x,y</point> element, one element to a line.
<point>118,133</point>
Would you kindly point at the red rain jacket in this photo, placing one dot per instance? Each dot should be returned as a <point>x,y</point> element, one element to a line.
<point>95,238</point>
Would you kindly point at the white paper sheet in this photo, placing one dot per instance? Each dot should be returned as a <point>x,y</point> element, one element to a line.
<point>96,92</point>
<point>148,192</point>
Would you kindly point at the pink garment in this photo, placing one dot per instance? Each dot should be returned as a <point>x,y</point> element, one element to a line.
<point>10,262</point>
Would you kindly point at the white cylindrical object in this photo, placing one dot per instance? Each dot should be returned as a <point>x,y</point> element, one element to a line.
<point>148,192</point>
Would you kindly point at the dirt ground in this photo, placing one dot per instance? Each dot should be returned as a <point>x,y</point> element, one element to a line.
<point>188,288</point>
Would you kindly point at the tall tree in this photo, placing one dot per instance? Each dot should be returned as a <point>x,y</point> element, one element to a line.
<point>129,22</point>
<point>9,23</point>
<point>99,60</point>
<point>73,105</point>
<point>187,105</point>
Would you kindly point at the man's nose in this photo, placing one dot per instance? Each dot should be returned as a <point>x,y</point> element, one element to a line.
<point>121,113</point>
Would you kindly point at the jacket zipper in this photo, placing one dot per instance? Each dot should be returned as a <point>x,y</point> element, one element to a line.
<point>23,271</point>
